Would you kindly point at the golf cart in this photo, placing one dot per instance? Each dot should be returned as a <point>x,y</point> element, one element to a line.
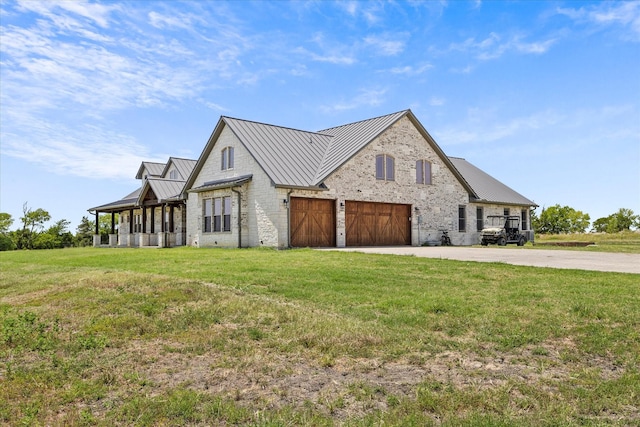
<point>502,229</point>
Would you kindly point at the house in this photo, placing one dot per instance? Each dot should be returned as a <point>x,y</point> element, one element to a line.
<point>381,181</point>
<point>155,213</point>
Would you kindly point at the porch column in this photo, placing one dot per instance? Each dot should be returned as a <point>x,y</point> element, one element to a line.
<point>113,237</point>
<point>144,236</point>
<point>161,234</point>
<point>153,220</point>
<point>96,236</point>
<point>130,239</point>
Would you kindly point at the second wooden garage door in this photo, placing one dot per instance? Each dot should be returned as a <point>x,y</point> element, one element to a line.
<point>313,222</point>
<point>377,224</point>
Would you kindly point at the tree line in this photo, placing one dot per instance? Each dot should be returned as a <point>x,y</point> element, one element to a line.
<point>33,233</point>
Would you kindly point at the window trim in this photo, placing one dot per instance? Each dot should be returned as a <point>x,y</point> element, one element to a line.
<point>479,218</point>
<point>219,218</point>
<point>462,219</point>
<point>385,167</point>
<point>421,172</point>
<point>227,158</point>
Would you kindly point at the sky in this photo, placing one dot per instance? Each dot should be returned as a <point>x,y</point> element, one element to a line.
<point>542,95</point>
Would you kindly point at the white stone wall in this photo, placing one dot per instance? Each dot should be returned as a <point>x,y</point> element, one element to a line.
<point>263,215</point>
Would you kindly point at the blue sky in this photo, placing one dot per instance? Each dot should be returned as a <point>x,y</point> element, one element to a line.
<point>544,96</point>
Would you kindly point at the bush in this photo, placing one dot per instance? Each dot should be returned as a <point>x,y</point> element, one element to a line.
<point>6,244</point>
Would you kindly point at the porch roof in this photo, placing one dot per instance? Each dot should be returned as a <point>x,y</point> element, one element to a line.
<point>222,183</point>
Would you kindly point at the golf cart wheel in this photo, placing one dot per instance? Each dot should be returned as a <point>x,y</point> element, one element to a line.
<point>502,241</point>
<point>521,242</point>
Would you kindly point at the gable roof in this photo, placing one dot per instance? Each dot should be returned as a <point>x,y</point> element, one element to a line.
<point>486,187</point>
<point>183,166</point>
<point>289,157</point>
<point>296,158</point>
<point>163,189</point>
<point>153,168</point>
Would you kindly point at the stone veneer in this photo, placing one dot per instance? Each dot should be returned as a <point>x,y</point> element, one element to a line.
<point>265,215</point>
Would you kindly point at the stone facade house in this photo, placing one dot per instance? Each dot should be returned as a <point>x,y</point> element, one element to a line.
<point>381,181</point>
<point>154,214</point>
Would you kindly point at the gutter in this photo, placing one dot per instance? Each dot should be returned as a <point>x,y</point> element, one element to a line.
<point>289,218</point>
<point>239,216</point>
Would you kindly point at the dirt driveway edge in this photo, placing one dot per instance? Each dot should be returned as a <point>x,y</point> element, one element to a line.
<point>579,260</point>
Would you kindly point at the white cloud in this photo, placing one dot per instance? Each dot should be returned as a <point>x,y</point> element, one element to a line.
<point>86,151</point>
<point>95,12</point>
<point>410,70</point>
<point>366,98</point>
<point>495,46</point>
<point>386,45</point>
<point>435,101</point>
<point>624,15</point>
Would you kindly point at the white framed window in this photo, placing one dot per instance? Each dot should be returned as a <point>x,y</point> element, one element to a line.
<point>173,174</point>
<point>216,215</point>
<point>385,167</point>
<point>462,218</point>
<point>227,158</point>
<point>206,215</point>
<point>423,172</point>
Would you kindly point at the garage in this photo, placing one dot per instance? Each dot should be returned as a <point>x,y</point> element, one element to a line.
<point>313,222</point>
<point>377,224</point>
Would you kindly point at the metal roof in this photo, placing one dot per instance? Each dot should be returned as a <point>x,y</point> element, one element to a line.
<point>486,187</point>
<point>153,168</point>
<point>223,183</point>
<point>289,156</point>
<point>163,189</point>
<point>349,139</point>
<point>127,201</point>
<point>184,167</point>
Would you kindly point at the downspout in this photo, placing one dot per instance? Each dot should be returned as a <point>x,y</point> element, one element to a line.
<point>239,216</point>
<point>289,218</point>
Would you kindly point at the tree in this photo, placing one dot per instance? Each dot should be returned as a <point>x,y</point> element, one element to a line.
<point>84,232</point>
<point>562,219</point>
<point>5,222</point>
<point>6,243</point>
<point>623,220</point>
<point>32,223</point>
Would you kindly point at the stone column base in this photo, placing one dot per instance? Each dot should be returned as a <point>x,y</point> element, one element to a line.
<point>96,240</point>
<point>113,240</point>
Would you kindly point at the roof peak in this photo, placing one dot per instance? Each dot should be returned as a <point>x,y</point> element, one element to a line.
<point>365,120</point>
<point>271,125</point>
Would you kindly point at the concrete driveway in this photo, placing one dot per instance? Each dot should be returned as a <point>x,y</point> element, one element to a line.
<point>580,260</point>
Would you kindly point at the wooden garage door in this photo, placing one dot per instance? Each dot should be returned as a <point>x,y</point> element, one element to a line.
<point>377,224</point>
<point>313,222</point>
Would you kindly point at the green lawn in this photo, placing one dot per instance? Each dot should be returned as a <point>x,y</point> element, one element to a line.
<point>299,337</point>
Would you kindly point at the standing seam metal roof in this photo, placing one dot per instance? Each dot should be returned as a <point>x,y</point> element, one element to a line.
<point>288,156</point>
<point>351,138</point>
<point>486,187</point>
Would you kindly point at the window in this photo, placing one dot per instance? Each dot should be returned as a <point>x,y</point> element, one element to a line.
<point>226,217</point>
<point>217,214</point>
<point>423,172</point>
<point>506,212</point>
<point>385,167</point>
<point>227,158</point>
<point>173,174</point>
<point>206,227</point>
<point>462,219</point>
<point>137,223</point>
<point>479,219</point>
<point>524,219</point>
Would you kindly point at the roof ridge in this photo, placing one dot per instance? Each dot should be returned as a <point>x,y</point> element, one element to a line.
<point>364,120</point>
<point>273,126</point>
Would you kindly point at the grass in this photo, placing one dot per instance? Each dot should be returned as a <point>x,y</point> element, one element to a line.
<point>263,337</point>
<point>624,242</point>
